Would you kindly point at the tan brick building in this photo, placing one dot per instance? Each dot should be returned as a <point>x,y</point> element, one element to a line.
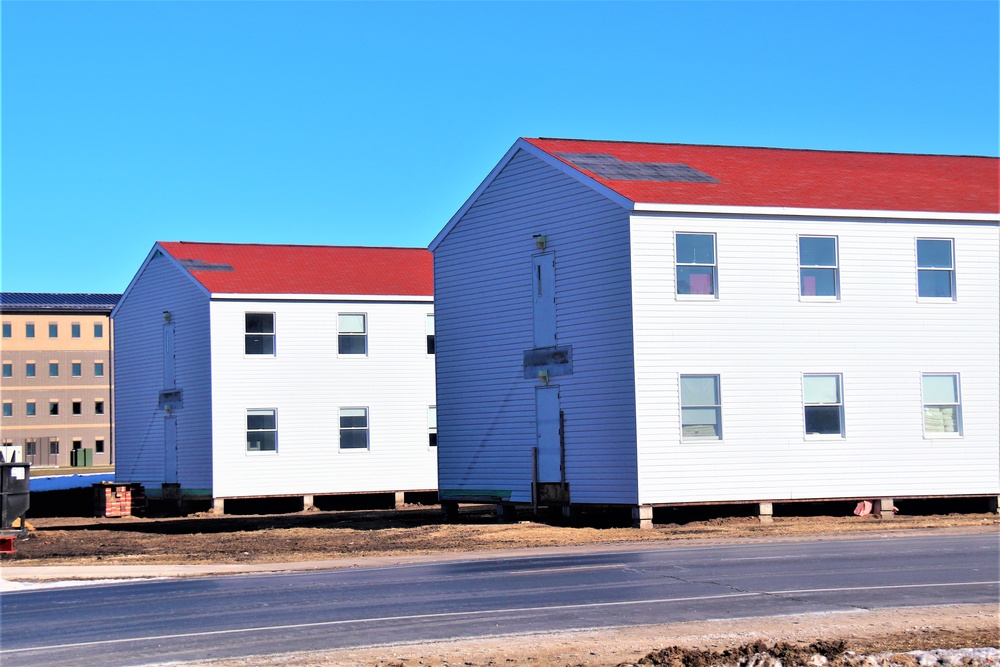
<point>56,386</point>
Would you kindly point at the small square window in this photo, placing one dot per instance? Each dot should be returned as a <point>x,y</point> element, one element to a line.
<point>53,447</point>
<point>8,369</point>
<point>53,408</point>
<point>7,330</point>
<point>77,407</point>
<point>29,408</point>
<point>29,369</point>
<point>354,428</point>
<point>701,408</point>
<point>352,334</point>
<point>8,409</point>
<point>98,369</point>
<point>262,431</point>
<point>98,407</point>
<point>935,268</point>
<point>74,330</point>
<point>30,448</point>
<point>942,404</point>
<point>77,443</point>
<point>432,426</point>
<point>430,334</point>
<point>696,266</point>
<point>53,369</point>
<point>76,369</point>
<point>259,334</point>
<point>98,330</point>
<point>824,405</point>
<point>29,330</point>
<point>99,445</point>
<point>53,331</point>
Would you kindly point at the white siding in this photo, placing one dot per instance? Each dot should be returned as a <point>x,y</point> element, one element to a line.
<point>486,410</point>
<point>306,382</point>
<point>760,338</point>
<point>139,378</point>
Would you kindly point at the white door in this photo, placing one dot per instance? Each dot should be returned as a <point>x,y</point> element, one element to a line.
<point>548,427</point>
<point>543,282</point>
<point>170,449</point>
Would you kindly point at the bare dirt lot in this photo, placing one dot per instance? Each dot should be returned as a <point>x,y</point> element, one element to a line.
<point>325,536</point>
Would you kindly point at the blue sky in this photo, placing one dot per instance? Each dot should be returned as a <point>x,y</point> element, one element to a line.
<point>125,123</point>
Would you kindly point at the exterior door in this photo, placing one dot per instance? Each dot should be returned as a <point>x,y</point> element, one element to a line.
<point>543,282</point>
<point>549,430</point>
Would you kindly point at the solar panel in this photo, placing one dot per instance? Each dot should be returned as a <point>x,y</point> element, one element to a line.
<point>613,169</point>
<point>202,265</point>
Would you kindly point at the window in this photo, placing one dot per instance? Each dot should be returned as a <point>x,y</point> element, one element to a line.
<point>818,275</point>
<point>354,428</point>
<point>8,369</point>
<point>98,331</point>
<point>29,330</point>
<point>98,407</point>
<point>260,333</point>
<point>353,336</point>
<point>74,330</point>
<point>99,445</point>
<point>432,426</point>
<point>430,334</point>
<point>29,369</point>
<point>824,406</point>
<point>53,369</point>
<point>30,448</point>
<point>7,330</point>
<point>942,406</point>
<point>262,431</point>
<point>76,369</point>
<point>935,268</point>
<point>98,369</point>
<point>77,443</point>
<point>53,408</point>
<point>8,409</point>
<point>701,409</point>
<point>53,447</point>
<point>53,330</point>
<point>696,264</point>
<point>29,408</point>
<point>77,407</point>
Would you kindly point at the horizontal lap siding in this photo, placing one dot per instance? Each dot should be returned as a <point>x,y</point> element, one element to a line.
<point>138,331</point>
<point>486,409</point>
<point>307,382</point>
<point>761,338</point>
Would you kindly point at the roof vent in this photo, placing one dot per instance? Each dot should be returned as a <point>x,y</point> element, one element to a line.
<point>613,169</point>
<point>201,265</point>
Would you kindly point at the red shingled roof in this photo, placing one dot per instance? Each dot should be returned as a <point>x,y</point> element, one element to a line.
<point>302,269</point>
<point>776,177</point>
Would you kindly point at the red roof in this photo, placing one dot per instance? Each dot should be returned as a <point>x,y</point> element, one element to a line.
<point>233,268</point>
<point>777,177</point>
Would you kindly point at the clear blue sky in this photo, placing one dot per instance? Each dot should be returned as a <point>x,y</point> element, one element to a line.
<point>125,123</point>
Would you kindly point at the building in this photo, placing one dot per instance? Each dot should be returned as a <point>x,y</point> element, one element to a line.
<point>57,378</point>
<point>652,324</point>
<point>247,371</point>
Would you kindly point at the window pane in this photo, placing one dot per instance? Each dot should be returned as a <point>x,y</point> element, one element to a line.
<point>77,369</point>
<point>98,330</point>
<point>29,330</point>
<point>259,344</point>
<point>74,330</point>
<point>934,253</point>
<point>351,324</point>
<point>261,441</point>
<point>699,390</point>
<point>819,282</point>
<point>934,283</point>
<point>695,280</point>
<point>98,369</point>
<point>29,409</point>
<point>260,419</point>
<point>817,251</point>
<point>29,370</point>
<point>77,408</point>
<point>700,423</point>
<point>53,331</point>
<point>8,370</point>
<point>695,249</point>
<point>53,408</point>
<point>54,370</point>
<point>822,388</point>
<point>353,418</point>
<point>98,407</point>
<point>432,417</point>
<point>351,344</point>
<point>430,325</point>
<point>8,409</point>
<point>823,419</point>
<point>354,438</point>
<point>6,330</point>
<point>940,389</point>
<point>940,419</point>
<point>99,446</point>
<point>260,323</point>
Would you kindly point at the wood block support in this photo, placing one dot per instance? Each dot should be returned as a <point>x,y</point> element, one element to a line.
<point>308,503</point>
<point>642,517</point>
<point>218,505</point>
<point>766,512</point>
<point>883,508</point>
<point>400,499</point>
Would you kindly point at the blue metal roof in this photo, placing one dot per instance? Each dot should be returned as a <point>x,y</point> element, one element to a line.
<point>30,301</point>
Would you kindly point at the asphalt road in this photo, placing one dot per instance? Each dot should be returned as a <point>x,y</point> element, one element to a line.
<point>197,619</point>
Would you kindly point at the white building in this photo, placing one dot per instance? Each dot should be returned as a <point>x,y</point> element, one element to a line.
<point>651,324</point>
<point>275,370</point>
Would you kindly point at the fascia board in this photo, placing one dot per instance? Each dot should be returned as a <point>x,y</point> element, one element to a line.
<point>554,162</point>
<point>149,257</point>
<point>355,298</point>
<point>990,218</point>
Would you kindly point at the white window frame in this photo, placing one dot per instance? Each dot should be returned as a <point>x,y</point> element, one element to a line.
<point>431,340</point>
<point>957,418</point>
<point>838,404</point>
<point>247,335</point>
<point>343,335</point>
<point>835,267</point>
<point>717,407</point>
<point>246,423</point>
<point>714,264</point>
<point>341,428</point>
<point>951,270</point>
<point>432,427</point>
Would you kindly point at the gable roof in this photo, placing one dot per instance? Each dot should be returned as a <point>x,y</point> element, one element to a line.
<point>785,178</point>
<point>235,268</point>
<point>50,301</point>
